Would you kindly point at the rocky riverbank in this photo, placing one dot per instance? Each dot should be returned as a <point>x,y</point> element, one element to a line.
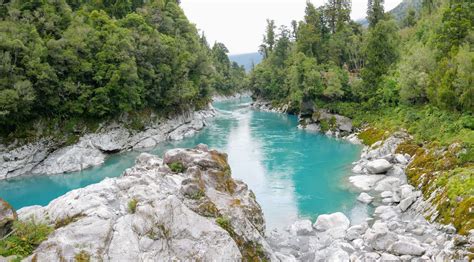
<point>184,207</point>
<point>48,157</point>
<point>219,98</point>
<point>397,230</point>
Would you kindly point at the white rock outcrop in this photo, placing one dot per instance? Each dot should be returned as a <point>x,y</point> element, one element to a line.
<point>47,157</point>
<point>150,213</point>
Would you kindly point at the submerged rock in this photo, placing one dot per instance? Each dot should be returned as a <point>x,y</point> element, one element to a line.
<point>199,213</point>
<point>365,198</point>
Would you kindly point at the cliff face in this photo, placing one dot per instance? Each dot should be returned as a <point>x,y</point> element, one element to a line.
<point>184,207</point>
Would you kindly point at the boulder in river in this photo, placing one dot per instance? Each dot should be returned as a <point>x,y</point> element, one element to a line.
<point>378,166</point>
<point>329,221</point>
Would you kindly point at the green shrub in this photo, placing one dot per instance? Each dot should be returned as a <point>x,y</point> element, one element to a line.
<point>224,223</point>
<point>132,206</point>
<point>26,236</point>
<point>324,125</point>
<point>82,256</point>
<point>177,167</point>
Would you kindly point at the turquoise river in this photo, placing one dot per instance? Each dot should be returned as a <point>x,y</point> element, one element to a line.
<point>294,174</point>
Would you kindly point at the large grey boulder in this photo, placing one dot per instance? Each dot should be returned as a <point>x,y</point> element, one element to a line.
<point>378,166</point>
<point>7,217</point>
<point>379,237</point>
<point>365,182</point>
<point>301,228</point>
<point>407,248</point>
<point>151,212</point>
<point>329,221</point>
<point>407,202</point>
<point>365,198</point>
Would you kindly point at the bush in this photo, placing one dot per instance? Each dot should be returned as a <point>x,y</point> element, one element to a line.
<point>177,167</point>
<point>26,237</point>
<point>132,206</point>
<point>224,223</point>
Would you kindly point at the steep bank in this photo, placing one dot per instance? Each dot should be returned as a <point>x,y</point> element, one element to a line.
<point>185,206</point>
<point>47,156</point>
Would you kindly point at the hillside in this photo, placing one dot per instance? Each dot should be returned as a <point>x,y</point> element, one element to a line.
<point>68,65</point>
<point>399,12</point>
<point>247,60</point>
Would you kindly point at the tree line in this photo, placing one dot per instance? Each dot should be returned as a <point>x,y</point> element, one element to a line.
<point>328,59</point>
<point>95,59</point>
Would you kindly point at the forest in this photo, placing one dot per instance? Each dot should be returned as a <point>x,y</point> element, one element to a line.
<point>79,59</point>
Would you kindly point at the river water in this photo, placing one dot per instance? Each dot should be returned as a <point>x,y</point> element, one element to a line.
<point>293,173</point>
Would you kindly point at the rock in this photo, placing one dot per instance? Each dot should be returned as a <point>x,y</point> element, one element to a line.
<point>365,198</point>
<point>328,221</point>
<point>338,255</point>
<point>401,159</point>
<point>365,182</point>
<point>385,194</point>
<point>71,158</point>
<point>48,157</point>
<point>301,228</point>
<point>386,257</point>
<point>164,222</point>
<point>358,169</point>
<point>387,184</point>
<point>406,191</point>
<point>378,166</point>
<point>111,141</point>
<point>406,203</point>
<point>352,138</point>
<point>387,212</point>
<point>313,128</point>
<point>355,232</point>
<point>7,217</point>
<point>407,248</point>
<point>379,236</point>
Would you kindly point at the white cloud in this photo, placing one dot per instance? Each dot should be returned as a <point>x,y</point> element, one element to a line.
<point>240,24</point>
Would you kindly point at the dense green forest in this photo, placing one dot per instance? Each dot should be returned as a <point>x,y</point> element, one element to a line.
<point>69,59</point>
<point>415,73</point>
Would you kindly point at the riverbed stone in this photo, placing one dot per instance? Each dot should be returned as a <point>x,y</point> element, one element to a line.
<point>365,198</point>
<point>328,221</point>
<point>365,182</point>
<point>407,248</point>
<point>378,166</point>
<point>301,227</point>
<point>406,203</point>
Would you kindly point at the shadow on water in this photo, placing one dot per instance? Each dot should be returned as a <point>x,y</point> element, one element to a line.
<point>292,172</point>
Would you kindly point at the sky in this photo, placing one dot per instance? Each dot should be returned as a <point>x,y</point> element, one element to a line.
<point>240,24</point>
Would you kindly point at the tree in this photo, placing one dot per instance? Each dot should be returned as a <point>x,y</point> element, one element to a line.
<point>410,18</point>
<point>268,39</point>
<point>381,52</point>
<point>375,11</point>
<point>338,14</point>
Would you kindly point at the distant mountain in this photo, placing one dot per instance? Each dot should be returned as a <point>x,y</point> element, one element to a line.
<point>247,60</point>
<point>399,11</point>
